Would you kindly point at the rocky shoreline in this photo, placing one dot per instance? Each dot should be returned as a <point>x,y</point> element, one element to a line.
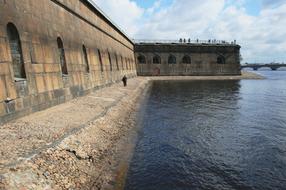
<point>82,157</point>
<point>83,144</point>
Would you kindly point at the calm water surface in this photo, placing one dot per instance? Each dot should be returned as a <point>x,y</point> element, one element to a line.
<point>213,135</point>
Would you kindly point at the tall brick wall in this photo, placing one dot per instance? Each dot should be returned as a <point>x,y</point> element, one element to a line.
<point>204,59</point>
<point>39,24</point>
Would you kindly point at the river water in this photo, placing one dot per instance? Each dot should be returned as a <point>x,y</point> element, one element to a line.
<point>212,135</point>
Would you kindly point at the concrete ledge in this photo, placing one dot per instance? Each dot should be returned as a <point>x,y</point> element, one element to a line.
<point>244,75</point>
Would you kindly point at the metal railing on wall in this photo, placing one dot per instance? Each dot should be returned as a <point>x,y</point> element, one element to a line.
<point>183,41</point>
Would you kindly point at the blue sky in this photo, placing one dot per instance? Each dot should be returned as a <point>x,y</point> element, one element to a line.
<point>145,3</point>
<point>150,3</point>
<point>252,6</point>
<point>259,26</point>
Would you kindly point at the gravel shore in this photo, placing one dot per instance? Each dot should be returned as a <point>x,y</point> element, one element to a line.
<point>71,146</point>
<point>79,144</point>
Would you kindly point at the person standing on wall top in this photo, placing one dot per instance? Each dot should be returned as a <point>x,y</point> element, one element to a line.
<point>124,80</point>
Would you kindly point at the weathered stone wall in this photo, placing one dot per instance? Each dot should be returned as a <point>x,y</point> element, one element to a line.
<point>204,59</point>
<point>40,23</point>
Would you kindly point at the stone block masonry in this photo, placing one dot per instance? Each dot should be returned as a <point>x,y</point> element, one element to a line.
<point>53,51</point>
<point>187,59</point>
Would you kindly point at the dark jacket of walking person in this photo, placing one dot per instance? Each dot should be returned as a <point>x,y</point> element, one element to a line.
<point>124,80</point>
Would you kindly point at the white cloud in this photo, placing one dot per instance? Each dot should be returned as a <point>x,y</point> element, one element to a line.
<point>272,3</point>
<point>183,18</point>
<point>156,6</point>
<point>261,36</point>
<point>125,13</point>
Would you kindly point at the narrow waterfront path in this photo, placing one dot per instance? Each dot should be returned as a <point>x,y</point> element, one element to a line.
<point>32,134</point>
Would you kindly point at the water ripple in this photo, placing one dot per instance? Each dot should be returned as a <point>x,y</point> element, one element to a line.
<point>217,135</point>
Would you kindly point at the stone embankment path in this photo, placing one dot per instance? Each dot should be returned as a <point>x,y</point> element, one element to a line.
<point>86,128</point>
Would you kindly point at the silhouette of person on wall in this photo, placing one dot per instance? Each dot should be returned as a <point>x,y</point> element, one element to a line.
<point>124,80</point>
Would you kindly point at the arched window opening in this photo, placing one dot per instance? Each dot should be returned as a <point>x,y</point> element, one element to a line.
<point>116,59</point>
<point>141,59</point>
<point>16,51</point>
<point>110,62</point>
<point>85,59</point>
<point>186,60</point>
<point>62,56</point>
<point>156,59</point>
<point>172,59</point>
<point>220,60</point>
<point>126,62</point>
<point>122,62</point>
<point>132,63</point>
<point>130,66</point>
<point>100,60</point>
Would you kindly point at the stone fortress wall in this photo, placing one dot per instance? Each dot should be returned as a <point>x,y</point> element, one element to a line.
<point>52,51</point>
<point>188,58</point>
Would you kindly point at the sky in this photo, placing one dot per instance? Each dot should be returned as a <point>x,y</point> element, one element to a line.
<point>259,26</point>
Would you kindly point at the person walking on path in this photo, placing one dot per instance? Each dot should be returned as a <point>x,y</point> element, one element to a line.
<point>124,80</point>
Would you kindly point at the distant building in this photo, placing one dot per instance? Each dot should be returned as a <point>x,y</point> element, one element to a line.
<point>197,58</point>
